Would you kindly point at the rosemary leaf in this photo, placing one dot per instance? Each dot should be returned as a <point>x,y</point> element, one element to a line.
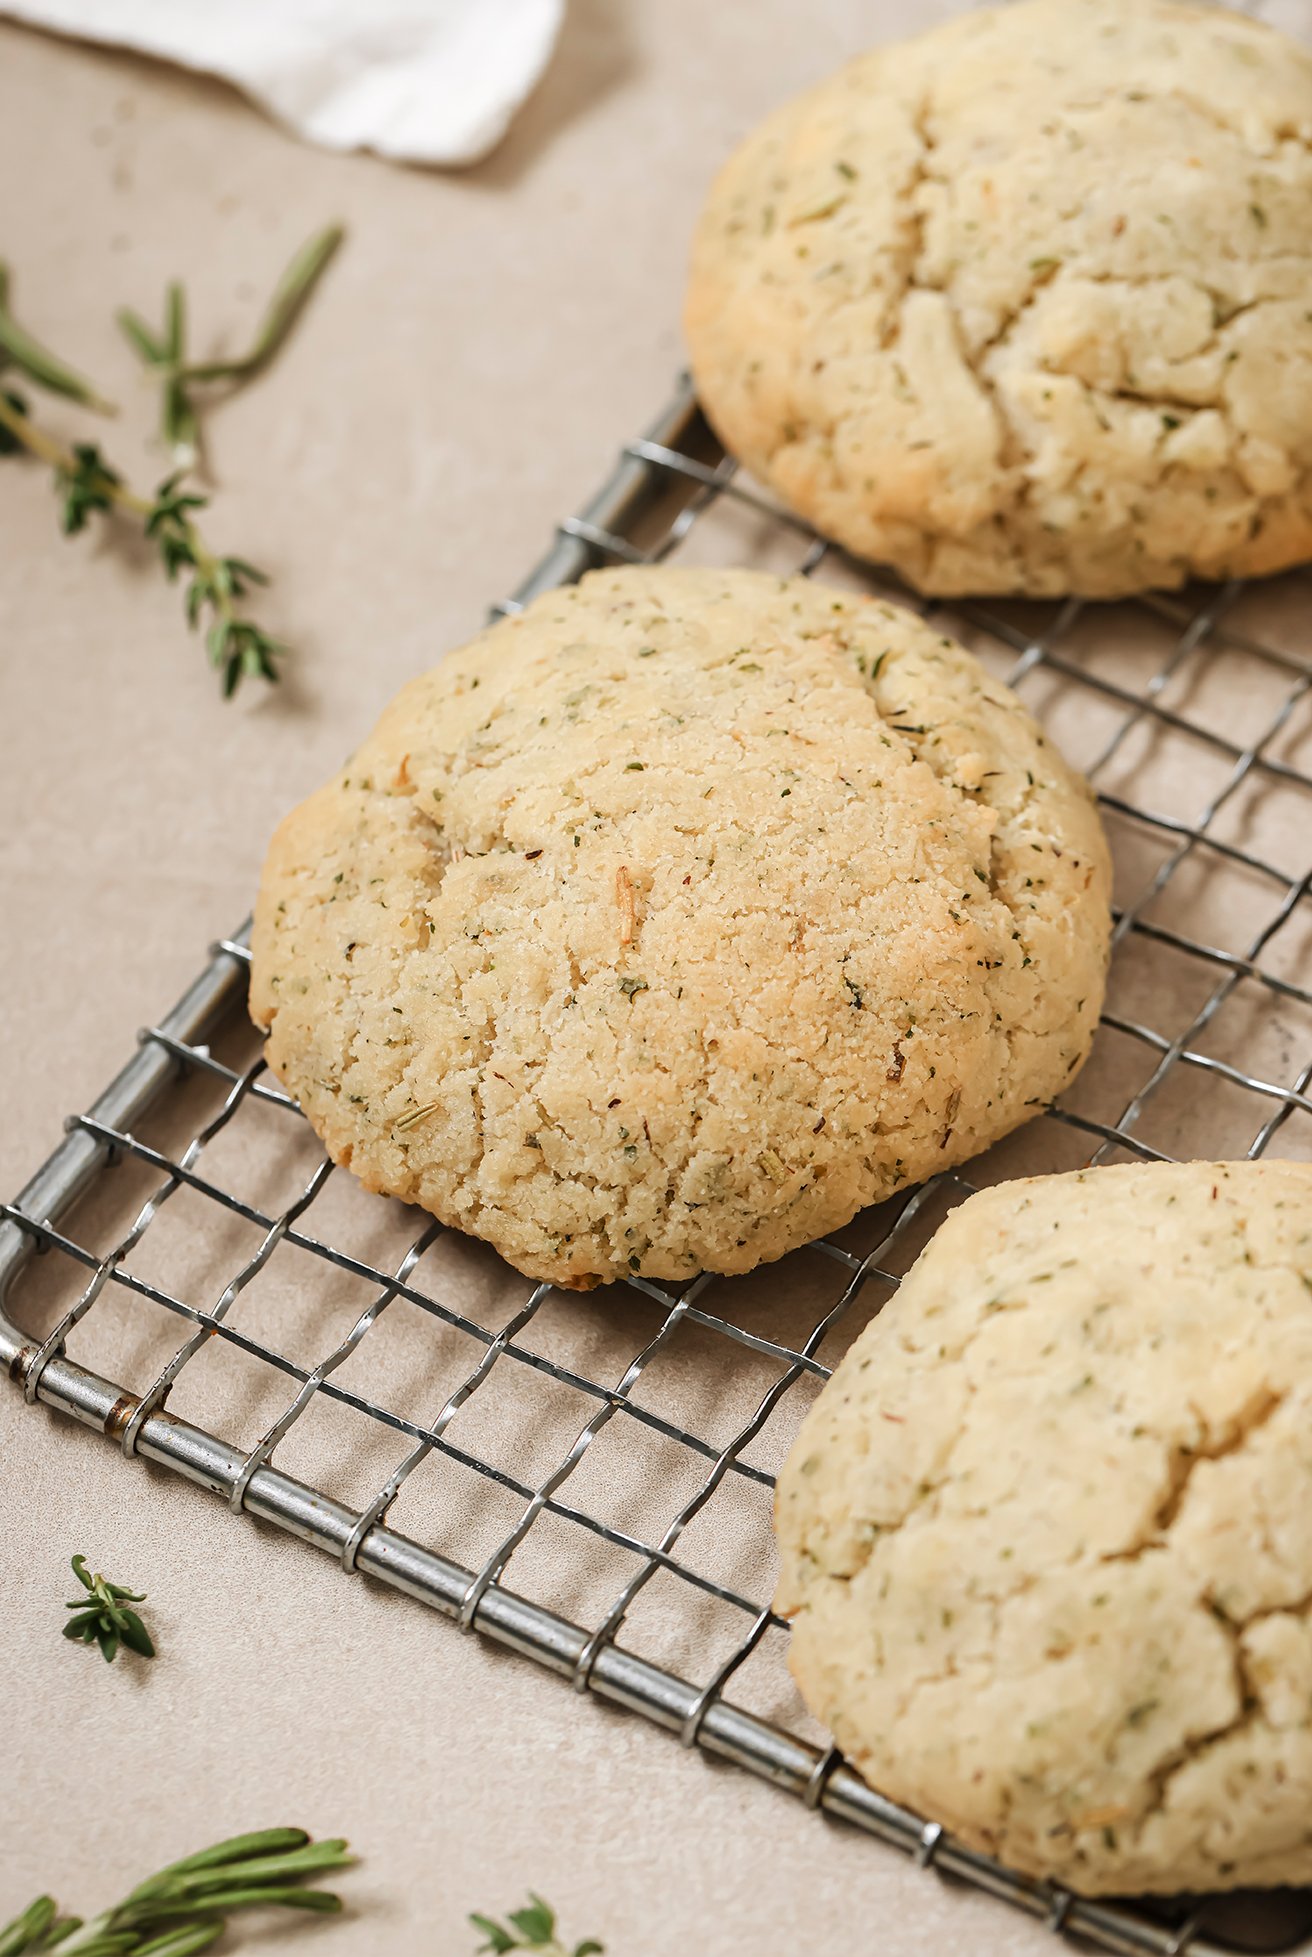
<point>256,1867</point>
<point>237,1848</point>
<point>182,1943</point>
<point>29,1928</point>
<point>160,1918</point>
<point>265,1895</point>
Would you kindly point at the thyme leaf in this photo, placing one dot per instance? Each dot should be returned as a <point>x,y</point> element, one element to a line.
<point>531,1928</point>
<point>103,1616</point>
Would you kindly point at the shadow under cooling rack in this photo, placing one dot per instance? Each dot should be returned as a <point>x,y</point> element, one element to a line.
<point>588,1478</point>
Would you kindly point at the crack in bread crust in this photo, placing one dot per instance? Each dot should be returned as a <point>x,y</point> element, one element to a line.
<point>1022,305</point>
<point>1046,1537</point>
<point>604,943</point>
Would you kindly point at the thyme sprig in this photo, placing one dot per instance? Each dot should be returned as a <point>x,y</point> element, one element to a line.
<point>88,484</point>
<point>105,1617</point>
<point>530,1928</point>
<point>85,482</point>
<point>185,1907</point>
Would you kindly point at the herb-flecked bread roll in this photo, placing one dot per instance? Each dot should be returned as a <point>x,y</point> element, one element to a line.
<point>1025,304</point>
<point>1046,1535</point>
<point>672,921</point>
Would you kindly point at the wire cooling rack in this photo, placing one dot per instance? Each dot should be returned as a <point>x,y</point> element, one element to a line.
<point>588,1479</point>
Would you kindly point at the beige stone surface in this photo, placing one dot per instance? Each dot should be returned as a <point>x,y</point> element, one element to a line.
<point>481,348</point>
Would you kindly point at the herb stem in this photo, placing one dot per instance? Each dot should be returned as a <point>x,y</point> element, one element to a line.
<point>290,295</point>
<point>39,364</point>
<point>235,645</point>
<point>170,1916</point>
<point>53,452</point>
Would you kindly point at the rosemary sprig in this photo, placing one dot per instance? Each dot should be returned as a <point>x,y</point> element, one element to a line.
<point>165,352</point>
<point>530,1928</point>
<point>104,1617</point>
<point>185,1907</point>
<point>237,646</point>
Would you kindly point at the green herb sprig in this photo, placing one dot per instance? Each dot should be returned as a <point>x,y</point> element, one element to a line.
<point>165,352</point>
<point>87,483</point>
<point>22,350</point>
<point>530,1928</point>
<point>185,1907</point>
<point>105,1617</point>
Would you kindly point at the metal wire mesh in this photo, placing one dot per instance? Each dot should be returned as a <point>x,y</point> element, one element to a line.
<point>588,1479</point>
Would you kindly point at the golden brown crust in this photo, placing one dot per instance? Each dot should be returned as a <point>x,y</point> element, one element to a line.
<point>671,922</point>
<point>1025,304</point>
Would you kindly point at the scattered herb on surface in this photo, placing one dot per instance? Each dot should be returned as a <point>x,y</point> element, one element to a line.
<point>530,1928</point>
<point>165,353</point>
<point>87,483</point>
<point>19,349</point>
<point>186,1906</point>
<point>237,646</point>
<point>105,1617</point>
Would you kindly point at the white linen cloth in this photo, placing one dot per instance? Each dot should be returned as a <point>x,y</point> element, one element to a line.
<point>427,81</point>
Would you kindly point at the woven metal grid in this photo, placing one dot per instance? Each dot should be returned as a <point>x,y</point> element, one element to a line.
<point>1196,727</point>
